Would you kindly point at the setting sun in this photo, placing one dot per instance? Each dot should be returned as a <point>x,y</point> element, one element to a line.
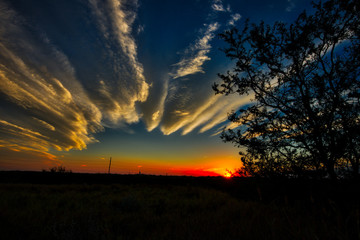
<point>227,175</point>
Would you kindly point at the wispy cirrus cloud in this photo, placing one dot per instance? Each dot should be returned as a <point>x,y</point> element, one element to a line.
<point>46,104</point>
<point>218,6</point>
<point>153,110</point>
<point>115,19</point>
<point>234,18</point>
<point>188,105</point>
<point>181,117</point>
<point>175,111</point>
<point>196,54</point>
<point>49,114</point>
<point>217,113</point>
<point>210,112</point>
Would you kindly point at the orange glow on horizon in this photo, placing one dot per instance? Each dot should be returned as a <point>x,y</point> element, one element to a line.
<point>215,165</point>
<point>194,172</point>
<point>210,166</point>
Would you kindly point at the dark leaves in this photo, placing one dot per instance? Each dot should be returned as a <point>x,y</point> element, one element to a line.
<point>305,82</point>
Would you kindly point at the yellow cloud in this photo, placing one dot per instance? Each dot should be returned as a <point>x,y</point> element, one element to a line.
<point>197,54</point>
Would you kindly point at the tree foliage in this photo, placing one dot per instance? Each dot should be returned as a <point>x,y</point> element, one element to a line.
<point>304,79</point>
<point>59,169</point>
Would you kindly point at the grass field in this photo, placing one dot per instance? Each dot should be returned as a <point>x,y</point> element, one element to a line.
<point>181,209</point>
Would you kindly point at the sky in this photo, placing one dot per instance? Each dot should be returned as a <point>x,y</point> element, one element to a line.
<point>85,80</point>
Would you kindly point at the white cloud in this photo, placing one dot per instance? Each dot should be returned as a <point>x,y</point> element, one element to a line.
<point>140,29</point>
<point>115,19</point>
<point>224,106</point>
<point>196,54</point>
<point>50,116</point>
<point>184,119</point>
<point>153,108</point>
<point>45,106</point>
<point>212,113</point>
<point>234,18</point>
<point>190,106</point>
<point>218,6</point>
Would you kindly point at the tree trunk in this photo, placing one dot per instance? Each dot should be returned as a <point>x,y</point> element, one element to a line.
<point>331,170</point>
<point>355,167</point>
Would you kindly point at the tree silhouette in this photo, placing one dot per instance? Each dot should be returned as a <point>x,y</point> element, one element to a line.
<point>304,77</point>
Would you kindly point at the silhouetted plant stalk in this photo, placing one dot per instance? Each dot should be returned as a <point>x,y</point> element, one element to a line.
<point>109,166</point>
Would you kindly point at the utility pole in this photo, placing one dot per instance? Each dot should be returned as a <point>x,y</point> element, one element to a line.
<point>109,165</point>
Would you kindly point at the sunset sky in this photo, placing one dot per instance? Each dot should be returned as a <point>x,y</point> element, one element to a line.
<point>85,80</point>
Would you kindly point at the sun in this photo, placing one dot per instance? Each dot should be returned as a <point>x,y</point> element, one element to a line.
<point>227,175</point>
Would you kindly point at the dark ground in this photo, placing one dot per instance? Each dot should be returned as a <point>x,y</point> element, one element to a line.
<point>44,205</point>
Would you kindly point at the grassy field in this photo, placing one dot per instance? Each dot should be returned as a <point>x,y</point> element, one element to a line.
<point>185,208</point>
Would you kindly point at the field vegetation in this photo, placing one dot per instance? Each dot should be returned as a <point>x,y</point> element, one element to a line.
<point>154,207</point>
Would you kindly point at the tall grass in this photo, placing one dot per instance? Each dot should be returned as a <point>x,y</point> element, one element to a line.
<point>143,211</point>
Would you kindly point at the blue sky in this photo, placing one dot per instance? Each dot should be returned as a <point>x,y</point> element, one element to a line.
<point>84,80</point>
